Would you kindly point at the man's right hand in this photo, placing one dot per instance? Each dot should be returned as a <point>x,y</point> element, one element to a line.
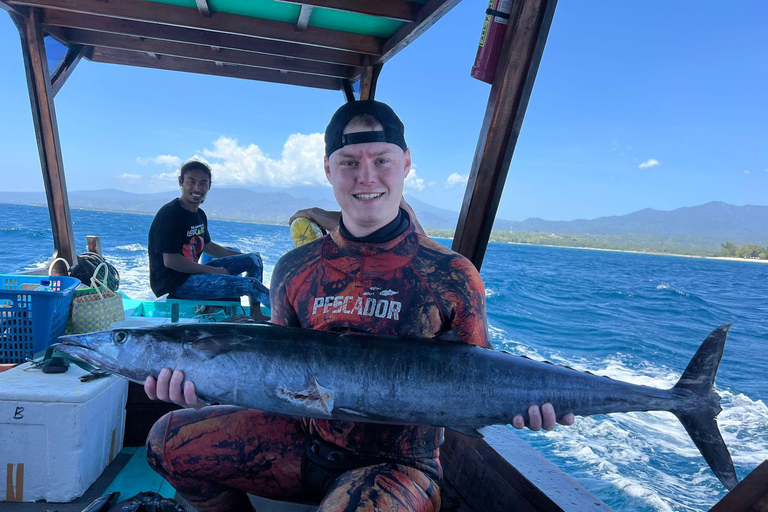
<point>170,387</point>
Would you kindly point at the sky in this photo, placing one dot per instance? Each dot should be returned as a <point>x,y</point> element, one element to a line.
<point>636,105</point>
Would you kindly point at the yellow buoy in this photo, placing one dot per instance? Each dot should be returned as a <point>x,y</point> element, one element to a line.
<point>304,230</point>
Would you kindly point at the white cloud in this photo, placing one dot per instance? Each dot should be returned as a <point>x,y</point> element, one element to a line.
<point>232,164</point>
<point>128,176</point>
<point>413,183</point>
<point>746,172</point>
<point>301,162</point>
<point>651,162</point>
<point>456,179</point>
<point>167,160</point>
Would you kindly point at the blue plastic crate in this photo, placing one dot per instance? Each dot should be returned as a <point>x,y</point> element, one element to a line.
<point>31,320</point>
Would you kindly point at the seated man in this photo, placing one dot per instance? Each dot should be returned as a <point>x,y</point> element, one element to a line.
<point>179,235</point>
<point>215,455</point>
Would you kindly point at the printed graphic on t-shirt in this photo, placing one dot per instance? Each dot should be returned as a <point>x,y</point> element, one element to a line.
<point>194,248</point>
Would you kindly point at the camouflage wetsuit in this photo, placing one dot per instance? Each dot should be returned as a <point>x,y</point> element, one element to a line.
<point>410,285</point>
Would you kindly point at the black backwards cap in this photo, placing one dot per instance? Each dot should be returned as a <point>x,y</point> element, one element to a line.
<point>394,131</point>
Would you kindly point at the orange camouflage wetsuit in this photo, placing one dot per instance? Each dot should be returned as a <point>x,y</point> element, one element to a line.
<point>409,285</point>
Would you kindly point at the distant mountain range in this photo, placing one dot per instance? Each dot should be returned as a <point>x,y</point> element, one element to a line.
<point>712,222</point>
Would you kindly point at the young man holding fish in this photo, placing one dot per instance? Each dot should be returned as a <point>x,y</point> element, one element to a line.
<point>373,273</point>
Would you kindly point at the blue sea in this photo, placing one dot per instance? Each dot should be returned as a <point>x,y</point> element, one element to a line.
<point>633,317</point>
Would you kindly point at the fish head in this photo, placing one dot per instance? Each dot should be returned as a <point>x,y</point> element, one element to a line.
<point>134,353</point>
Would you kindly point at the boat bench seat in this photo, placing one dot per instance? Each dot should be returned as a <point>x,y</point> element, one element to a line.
<point>231,306</point>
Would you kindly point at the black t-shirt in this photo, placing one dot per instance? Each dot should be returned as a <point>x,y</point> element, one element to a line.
<point>174,231</point>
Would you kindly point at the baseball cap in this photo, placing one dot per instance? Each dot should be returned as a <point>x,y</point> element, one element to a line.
<point>394,131</point>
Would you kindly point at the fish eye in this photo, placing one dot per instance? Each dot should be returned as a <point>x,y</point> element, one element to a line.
<point>120,336</point>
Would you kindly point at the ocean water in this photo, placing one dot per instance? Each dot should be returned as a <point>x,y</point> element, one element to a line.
<point>633,317</point>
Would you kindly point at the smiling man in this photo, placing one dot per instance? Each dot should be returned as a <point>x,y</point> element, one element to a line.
<point>373,273</point>
<point>179,236</point>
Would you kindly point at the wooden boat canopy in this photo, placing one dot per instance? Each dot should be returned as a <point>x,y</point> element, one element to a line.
<point>329,44</point>
<point>316,43</point>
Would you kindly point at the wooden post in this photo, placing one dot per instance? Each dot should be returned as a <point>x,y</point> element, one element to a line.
<point>46,128</point>
<point>71,59</point>
<point>368,79</point>
<point>524,42</point>
<point>346,88</point>
<point>93,244</point>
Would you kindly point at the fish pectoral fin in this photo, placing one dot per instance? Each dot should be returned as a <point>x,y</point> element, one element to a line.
<point>468,431</point>
<point>450,335</point>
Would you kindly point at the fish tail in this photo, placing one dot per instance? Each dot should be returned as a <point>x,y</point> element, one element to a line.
<point>699,418</point>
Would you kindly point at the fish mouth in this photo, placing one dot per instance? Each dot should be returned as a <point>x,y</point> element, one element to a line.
<point>77,346</point>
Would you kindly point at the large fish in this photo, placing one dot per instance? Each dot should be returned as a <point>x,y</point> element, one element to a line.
<point>397,380</point>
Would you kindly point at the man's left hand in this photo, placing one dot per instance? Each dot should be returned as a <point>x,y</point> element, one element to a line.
<point>542,418</point>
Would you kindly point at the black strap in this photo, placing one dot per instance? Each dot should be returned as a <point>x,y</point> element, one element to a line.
<point>493,12</point>
<point>363,137</point>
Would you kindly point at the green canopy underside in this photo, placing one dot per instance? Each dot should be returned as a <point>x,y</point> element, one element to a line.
<point>321,17</point>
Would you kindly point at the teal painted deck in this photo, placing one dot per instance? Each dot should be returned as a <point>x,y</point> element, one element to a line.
<point>138,477</point>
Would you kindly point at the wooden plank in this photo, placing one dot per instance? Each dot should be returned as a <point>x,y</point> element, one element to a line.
<point>367,80</point>
<point>524,42</point>
<point>468,471</point>
<point>71,59</point>
<point>172,15</point>
<point>750,495</point>
<point>130,58</point>
<point>533,483</point>
<point>47,131</point>
<point>200,37</point>
<point>401,10</point>
<point>303,21</point>
<point>198,52</point>
<point>428,15</point>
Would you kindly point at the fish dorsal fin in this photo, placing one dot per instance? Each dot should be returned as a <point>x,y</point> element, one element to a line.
<point>209,347</point>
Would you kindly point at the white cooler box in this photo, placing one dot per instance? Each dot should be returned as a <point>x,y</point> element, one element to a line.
<point>57,434</point>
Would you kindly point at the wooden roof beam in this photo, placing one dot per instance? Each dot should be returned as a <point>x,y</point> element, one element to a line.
<point>303,21</point>
<point>66,19</point>
<point>172,15</point>
<point>428,15</point>
<point>401,10</point>
<point>529,24</point>
<point>71,59</point>
<point>47,131</point>
<point>205,53</point>
<point>131,58</point>
<point>20,11</point>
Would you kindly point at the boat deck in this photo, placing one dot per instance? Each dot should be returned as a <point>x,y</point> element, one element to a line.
<point>129,474</point>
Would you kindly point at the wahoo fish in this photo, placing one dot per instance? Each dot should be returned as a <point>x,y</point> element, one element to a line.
<point>397,380</point>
